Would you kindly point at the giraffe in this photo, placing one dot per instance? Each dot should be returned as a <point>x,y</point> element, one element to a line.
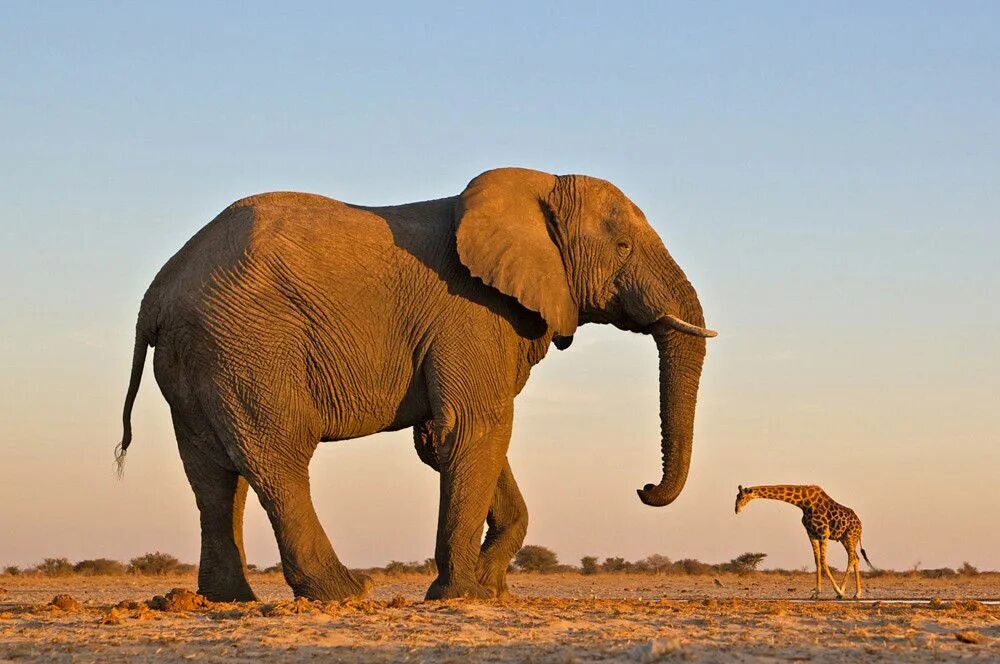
<point>824,519</point>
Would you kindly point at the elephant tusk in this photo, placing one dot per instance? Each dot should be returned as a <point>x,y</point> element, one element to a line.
<point>687,328</point>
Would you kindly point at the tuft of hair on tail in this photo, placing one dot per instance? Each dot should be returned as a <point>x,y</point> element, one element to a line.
<point>120,450</point>
<point>865,556</point>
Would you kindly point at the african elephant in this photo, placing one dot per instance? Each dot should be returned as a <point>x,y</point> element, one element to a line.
<point>292,319</point>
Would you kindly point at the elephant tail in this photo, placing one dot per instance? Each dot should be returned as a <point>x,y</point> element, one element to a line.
<point>138,362</point>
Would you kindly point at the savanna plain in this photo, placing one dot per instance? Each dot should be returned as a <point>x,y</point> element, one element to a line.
<point>559,617</point>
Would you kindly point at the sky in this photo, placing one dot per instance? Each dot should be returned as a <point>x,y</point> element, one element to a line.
<point>827,174</point>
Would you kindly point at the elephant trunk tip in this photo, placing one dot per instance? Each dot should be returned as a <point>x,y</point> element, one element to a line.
<point>657,495</point>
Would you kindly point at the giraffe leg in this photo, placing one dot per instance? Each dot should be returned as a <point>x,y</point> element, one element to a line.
<point>819,568</point>
<point>851,562</point>
<point>847,573</point>
<point>826,568</point>
<point>857,580</point>
<point>857,573</point>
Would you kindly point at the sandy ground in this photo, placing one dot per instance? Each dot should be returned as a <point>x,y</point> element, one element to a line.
<point>552,618</point>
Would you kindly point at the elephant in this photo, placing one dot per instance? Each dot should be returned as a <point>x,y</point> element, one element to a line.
<point>292,319</point>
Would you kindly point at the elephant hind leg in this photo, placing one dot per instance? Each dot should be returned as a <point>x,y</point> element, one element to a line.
<point>507,525</point>
<point>308,561</point>
<point>220,494</point>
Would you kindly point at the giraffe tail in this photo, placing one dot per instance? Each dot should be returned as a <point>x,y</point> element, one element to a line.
<point>865,556</point>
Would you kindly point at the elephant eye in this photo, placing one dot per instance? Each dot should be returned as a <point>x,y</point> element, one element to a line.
<point>624,248</point>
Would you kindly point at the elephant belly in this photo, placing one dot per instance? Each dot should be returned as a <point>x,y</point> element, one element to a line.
<point>393,415</point>
<point>361,405</point>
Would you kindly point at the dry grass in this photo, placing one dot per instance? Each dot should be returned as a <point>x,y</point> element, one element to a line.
<point>555,618</point>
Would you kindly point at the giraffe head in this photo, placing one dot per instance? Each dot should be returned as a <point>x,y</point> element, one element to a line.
<point>743,496</point>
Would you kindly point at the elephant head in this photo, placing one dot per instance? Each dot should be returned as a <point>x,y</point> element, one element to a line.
<point>575,249</point>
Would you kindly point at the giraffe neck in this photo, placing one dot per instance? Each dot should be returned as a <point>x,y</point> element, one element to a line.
<point>800,495</point>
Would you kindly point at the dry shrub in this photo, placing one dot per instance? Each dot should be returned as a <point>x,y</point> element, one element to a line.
<point>396,567</point>
<point>968,570</point>
<point>616,564</point>
<point>535,558</point>
<point>693,566</point>
<point>938,573</point>
<point>158,564</point>
<point>54,567</point>
<point>99,567</point>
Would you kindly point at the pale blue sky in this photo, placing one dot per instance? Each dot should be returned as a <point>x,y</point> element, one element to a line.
<point>827,175</point>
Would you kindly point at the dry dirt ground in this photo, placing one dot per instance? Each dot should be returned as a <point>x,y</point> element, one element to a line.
<point>552,618</point>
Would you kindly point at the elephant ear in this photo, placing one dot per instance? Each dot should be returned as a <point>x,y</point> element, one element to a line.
<point>503,238</point>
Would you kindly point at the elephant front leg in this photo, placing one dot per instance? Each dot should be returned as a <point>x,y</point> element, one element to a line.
<point>507,524</point>
<point>470,467</point>
<point>507,521</point>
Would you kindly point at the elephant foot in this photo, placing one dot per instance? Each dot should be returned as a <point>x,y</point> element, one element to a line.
<point>473,590</point>
<point>225,588</point>
<point>241,593</point>
<point>495,580</point>
<point>354,586</point>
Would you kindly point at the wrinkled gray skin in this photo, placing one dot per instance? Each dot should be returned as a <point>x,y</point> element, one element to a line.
<point>292,319</point>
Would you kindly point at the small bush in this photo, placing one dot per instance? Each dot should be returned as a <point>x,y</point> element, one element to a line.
<point>639,567</point>
<point>99,567</point>
<point>968,570</point>
<point>615,564</point>
<point>414,567</point>
<point>878,572</point>
<point>744,563</point>
<point>54,567</point>
<point>534,558</point>
<point>749,560</point>
<point>158,564</point>
<point>589,566</point>
<point>657,564</point>
<point>12,570</point>
<point>693,566</point>
<point>939,573</point>
<point>394,567</point>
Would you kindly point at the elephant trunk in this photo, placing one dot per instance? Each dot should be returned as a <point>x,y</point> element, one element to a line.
<point>681,356</point>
